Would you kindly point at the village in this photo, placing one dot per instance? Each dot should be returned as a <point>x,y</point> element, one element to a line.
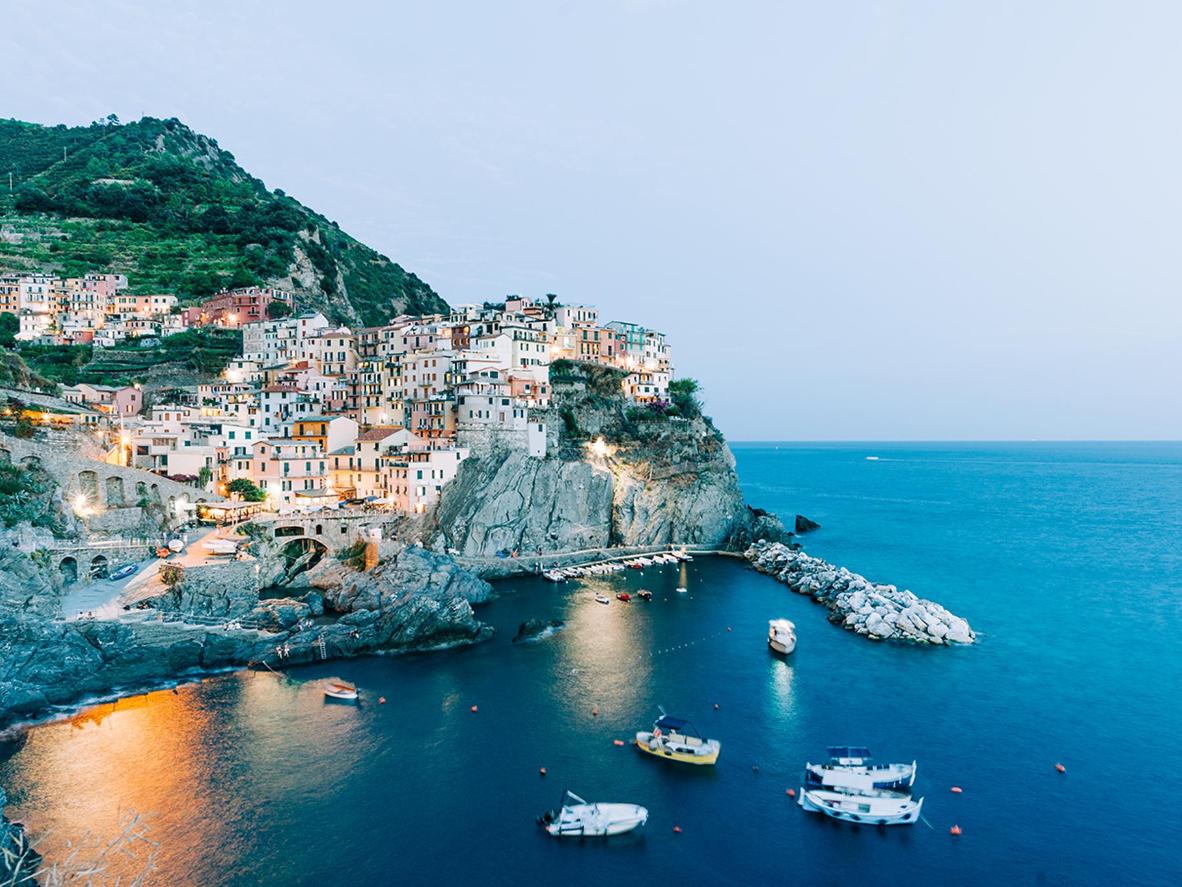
<point>312,415</point>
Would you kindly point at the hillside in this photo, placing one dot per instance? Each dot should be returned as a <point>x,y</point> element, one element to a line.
<point>174,212</point>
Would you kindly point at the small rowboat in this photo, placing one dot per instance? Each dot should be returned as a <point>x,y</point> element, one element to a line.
<point>602,599</point>
<point>623,596</point>
<point>341,690</point>
<point>863,807</point>
<point>644,594</point>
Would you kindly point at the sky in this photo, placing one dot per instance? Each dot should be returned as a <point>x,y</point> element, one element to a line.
<point>876,221</point>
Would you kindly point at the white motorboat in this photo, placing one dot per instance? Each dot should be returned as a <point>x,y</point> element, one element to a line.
<point>578,819</point>
<point>681,589</point>
<point>852,768</point>
<point>553,576</point>
<point>341,690</point>
<point>781,635</point>
<point>862,807</point>
<point>602,599</point>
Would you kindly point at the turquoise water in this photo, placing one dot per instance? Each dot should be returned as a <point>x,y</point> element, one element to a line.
<point>1065,558</point>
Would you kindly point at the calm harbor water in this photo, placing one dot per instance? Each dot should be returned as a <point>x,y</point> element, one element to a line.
<point>1065,558</point>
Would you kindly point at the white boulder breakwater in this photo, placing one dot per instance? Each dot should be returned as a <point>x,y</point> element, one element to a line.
<point>880,612</point>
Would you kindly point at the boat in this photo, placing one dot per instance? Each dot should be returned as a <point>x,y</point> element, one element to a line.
<point>853,768</point>
<point>577,818</point>
<point>644,594</point>
<point>341,690</point>
<point>602,599</point>
<point>675,739</point>
<point>863,807</point>
<point>623,596</point>
<point>681,589</point>
<point>871,458</point>
<point>553,576</point>
<point>177,545</point>
<point>781,635</point>
<point>124,571</point>
<point>635,565</point>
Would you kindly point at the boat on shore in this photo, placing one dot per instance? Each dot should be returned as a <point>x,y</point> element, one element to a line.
<point>781,635</point>
<point>852,768</point>
<point>341,690</point>
<point>862,807</point>
<point>623,596</point>
<point>602,599</point>
<point>577,818</point>
<point>676,739</point>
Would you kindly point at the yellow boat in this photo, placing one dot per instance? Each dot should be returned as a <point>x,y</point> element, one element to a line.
<point>674,739</point>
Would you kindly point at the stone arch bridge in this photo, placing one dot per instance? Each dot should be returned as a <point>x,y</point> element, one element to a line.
<point>332,530</point>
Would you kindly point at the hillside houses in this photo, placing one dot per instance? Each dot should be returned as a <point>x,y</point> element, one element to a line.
<point>314,414</point>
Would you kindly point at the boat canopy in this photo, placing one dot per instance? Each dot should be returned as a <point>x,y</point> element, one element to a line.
<point>675,725</point>
<point>849,751</point>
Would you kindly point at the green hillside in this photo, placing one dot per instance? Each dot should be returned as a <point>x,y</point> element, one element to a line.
<point>175,213</point>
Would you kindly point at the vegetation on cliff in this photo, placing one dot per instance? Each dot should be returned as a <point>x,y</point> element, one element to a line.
<point>176,213</point>
<point>204,351</point>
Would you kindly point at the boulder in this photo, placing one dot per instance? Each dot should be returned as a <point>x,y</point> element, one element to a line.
<point>804,525</point>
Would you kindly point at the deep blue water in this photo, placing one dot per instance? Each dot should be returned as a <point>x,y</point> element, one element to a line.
<point>1065,558</point>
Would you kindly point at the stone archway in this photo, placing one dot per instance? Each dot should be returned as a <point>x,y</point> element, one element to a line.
<point>282,532</point>
<point>302,554</point>
<point>100,567</point>
<point>68,568</point>
<point>114,486</point>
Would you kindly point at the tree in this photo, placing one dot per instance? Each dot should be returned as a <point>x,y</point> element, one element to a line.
<point>684,394</point>
<point>204,476</point>
<point>247,488</point>
<point>277,309</point>
<point>9,326</point>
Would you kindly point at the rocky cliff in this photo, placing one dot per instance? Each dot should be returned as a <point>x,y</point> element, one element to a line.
<point>412,600</point>
<point>614,474</point>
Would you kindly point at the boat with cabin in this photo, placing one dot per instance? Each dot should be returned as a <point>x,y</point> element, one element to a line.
<point>676,739</point>
<point>576,818</point>
<point>781,635</point>
<point>862,807</point>
<point>852,768</point>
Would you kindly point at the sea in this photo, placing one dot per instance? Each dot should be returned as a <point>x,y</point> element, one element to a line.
<point>1066,558</point>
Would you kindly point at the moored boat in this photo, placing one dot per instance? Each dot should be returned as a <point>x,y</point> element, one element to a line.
<point>602,599</point>
<point>577,818</point>
<point>852,768</point>
<point>644,594</point>
<point>623,596</point>
<point>675,739</point>
<point>862,807</point>
<point>781,635</point>
<point>553,576</point>
<point>341,690</point>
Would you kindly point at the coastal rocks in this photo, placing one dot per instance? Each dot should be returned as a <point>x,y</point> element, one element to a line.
<point>533,630</point>
<point>881,612</point>
<point>804,525</point>
<point>676,485</point>
<point>224,591</point>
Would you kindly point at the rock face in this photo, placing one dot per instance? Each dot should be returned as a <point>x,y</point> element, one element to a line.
<point>880,612</point>
<point>608,479</point>
<point>804,525</point>
<point>532,630</point>
<point>18,861</point>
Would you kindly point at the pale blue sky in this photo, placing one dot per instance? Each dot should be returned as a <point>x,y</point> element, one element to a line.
<point>855,220</point>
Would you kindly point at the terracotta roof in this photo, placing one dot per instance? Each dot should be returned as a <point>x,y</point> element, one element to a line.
<point>379,433</point>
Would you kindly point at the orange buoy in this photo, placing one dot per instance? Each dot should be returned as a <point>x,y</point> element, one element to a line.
<point>1060,768</point>
<point>955,830</point>
<point>791,793</point>
<point>541,771</point>
<point>617,742</point>
<point>956,789</point>
<point>677,830</point>
<point>473,709</point>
